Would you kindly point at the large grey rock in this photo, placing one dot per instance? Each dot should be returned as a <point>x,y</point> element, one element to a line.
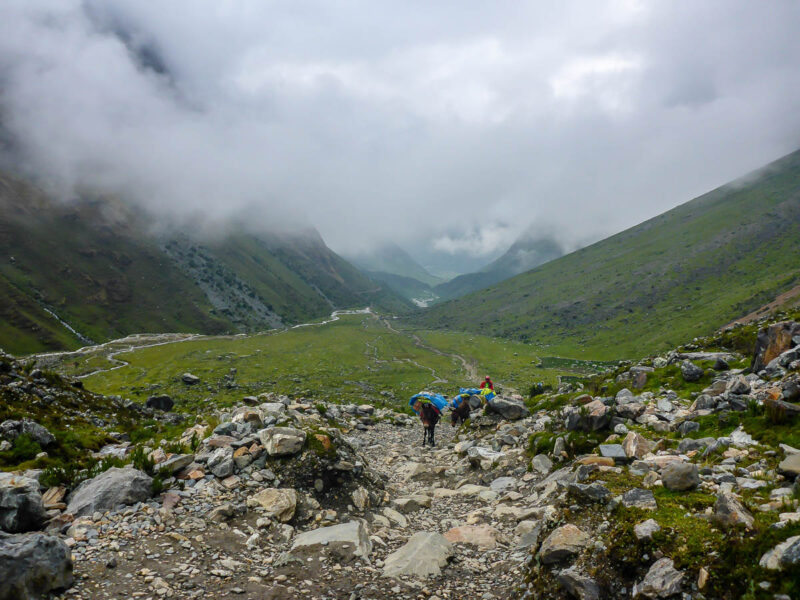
<point>11,430</point>
<point>354,534</point>
<point>110,489</point>
<point>738,385</point>
<point>595,492</point>
<point>661,581</point>
<point>773,341</point>
<point>680,476</point>
<point>282,441</point>
<point>646,529</point>
<point>542,464</point>
<point>563,542</point>
<point>278,503</point>
<point>773,559</point>
<point>636,446</point>
<point>614,451</point>
<point>691,372</point>
<point>176,463</point>
<point>161,402</point>
<point>21,506</point>
<point>578,584</point>
<point>790,465</point>
<point>730,512</point>
<point>425,554</point>
<point>221,462</point>
<point>508,408</point>
<point>33,565</point>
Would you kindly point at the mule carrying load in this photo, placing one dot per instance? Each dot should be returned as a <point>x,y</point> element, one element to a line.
<point>476,397</point>
<point>429,407</point>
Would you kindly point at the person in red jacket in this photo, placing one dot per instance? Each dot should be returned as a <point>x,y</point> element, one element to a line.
<point>487,383</point>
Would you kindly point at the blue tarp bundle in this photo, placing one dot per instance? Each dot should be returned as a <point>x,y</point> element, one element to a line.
<point>485,392</point>
<point>439,401</point>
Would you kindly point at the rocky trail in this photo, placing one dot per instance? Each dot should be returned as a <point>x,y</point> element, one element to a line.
<point>631,491</point>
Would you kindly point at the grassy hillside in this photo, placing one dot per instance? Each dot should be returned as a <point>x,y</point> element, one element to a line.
<point>525,254</point>
<point>89,264</point>
<point>96,266</point>
<point>683,273</point>
<point>390,259</point>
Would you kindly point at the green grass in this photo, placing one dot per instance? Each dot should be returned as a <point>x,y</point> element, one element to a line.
<point>355,359</point>
<point>682,274</point>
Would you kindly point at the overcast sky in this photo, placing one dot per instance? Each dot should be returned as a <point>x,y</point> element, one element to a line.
<point>445,125</point>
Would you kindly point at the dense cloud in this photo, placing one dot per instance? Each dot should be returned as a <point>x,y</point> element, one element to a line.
<point>420,122</point>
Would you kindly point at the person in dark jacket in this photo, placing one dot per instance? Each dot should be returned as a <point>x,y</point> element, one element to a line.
<point>487,383</point>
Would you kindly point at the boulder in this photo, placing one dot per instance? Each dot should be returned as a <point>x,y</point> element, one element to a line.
<point>221,462</point>
<point>730,512</point>
<point>11,430</point>
<point>478,455</point>
<point>646,529</point>
<point>773,341</point>
<point>190,379</point>
<point>508,408</point>
<point>280,504</point>
<point>162,402</point>
<point>21,505</point>
<point>639,376</point>
<point>595,492</point>
<point>563,542</point>
<point>33,565</point>
<point>110,489</point>
<point>176,463</point>
<point>353,534</point>
<point>596,417</point>
<point>422,556</point>
<point>661,581</point>
<point>613,451</point>
<point>691,372</point>
<point>578,584</point>
<point>680,476</point>
<point>542,464</point>
<point>282,441</point>
<point>790,465</point>
<point>484,536</point>
<point>636,446</point>
<point>773,559</point>
<point>738,385</point>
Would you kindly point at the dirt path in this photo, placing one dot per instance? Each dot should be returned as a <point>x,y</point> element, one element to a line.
<point>470,368</point>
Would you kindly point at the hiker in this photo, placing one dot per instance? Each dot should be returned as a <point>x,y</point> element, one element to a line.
<point>487,382</point>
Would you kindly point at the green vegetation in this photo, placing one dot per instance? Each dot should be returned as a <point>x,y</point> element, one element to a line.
<point>355,359</point>
<point>684,273</point>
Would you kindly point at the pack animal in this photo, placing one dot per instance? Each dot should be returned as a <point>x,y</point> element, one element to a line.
<point>429,417</point>
<point>461,414</point>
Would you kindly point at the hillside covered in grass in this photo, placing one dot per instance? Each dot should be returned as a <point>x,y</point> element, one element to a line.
<point>93,270</point>
<point>683,273</point>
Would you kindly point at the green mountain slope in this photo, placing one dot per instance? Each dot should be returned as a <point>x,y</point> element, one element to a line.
<point>97,266</point>
<point>525,254</point>
<point>393,260</point>
<point>683,273</point>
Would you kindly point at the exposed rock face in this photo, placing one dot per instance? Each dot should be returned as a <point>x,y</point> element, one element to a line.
<point>279,503</point>
<point>773,341</point>
<point>354,533</point>
<point>508,408</point>
<point>32,565</point>
<point>422,556</point>
<point>162,402</point>
<point>282,441</point>
<point>11,430</point>
<point>661,581</point>
<point>680,476</point>
<point>730,512</point>
<point>21,506</point>
<point>564,542</point>
<point>109,490</point>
